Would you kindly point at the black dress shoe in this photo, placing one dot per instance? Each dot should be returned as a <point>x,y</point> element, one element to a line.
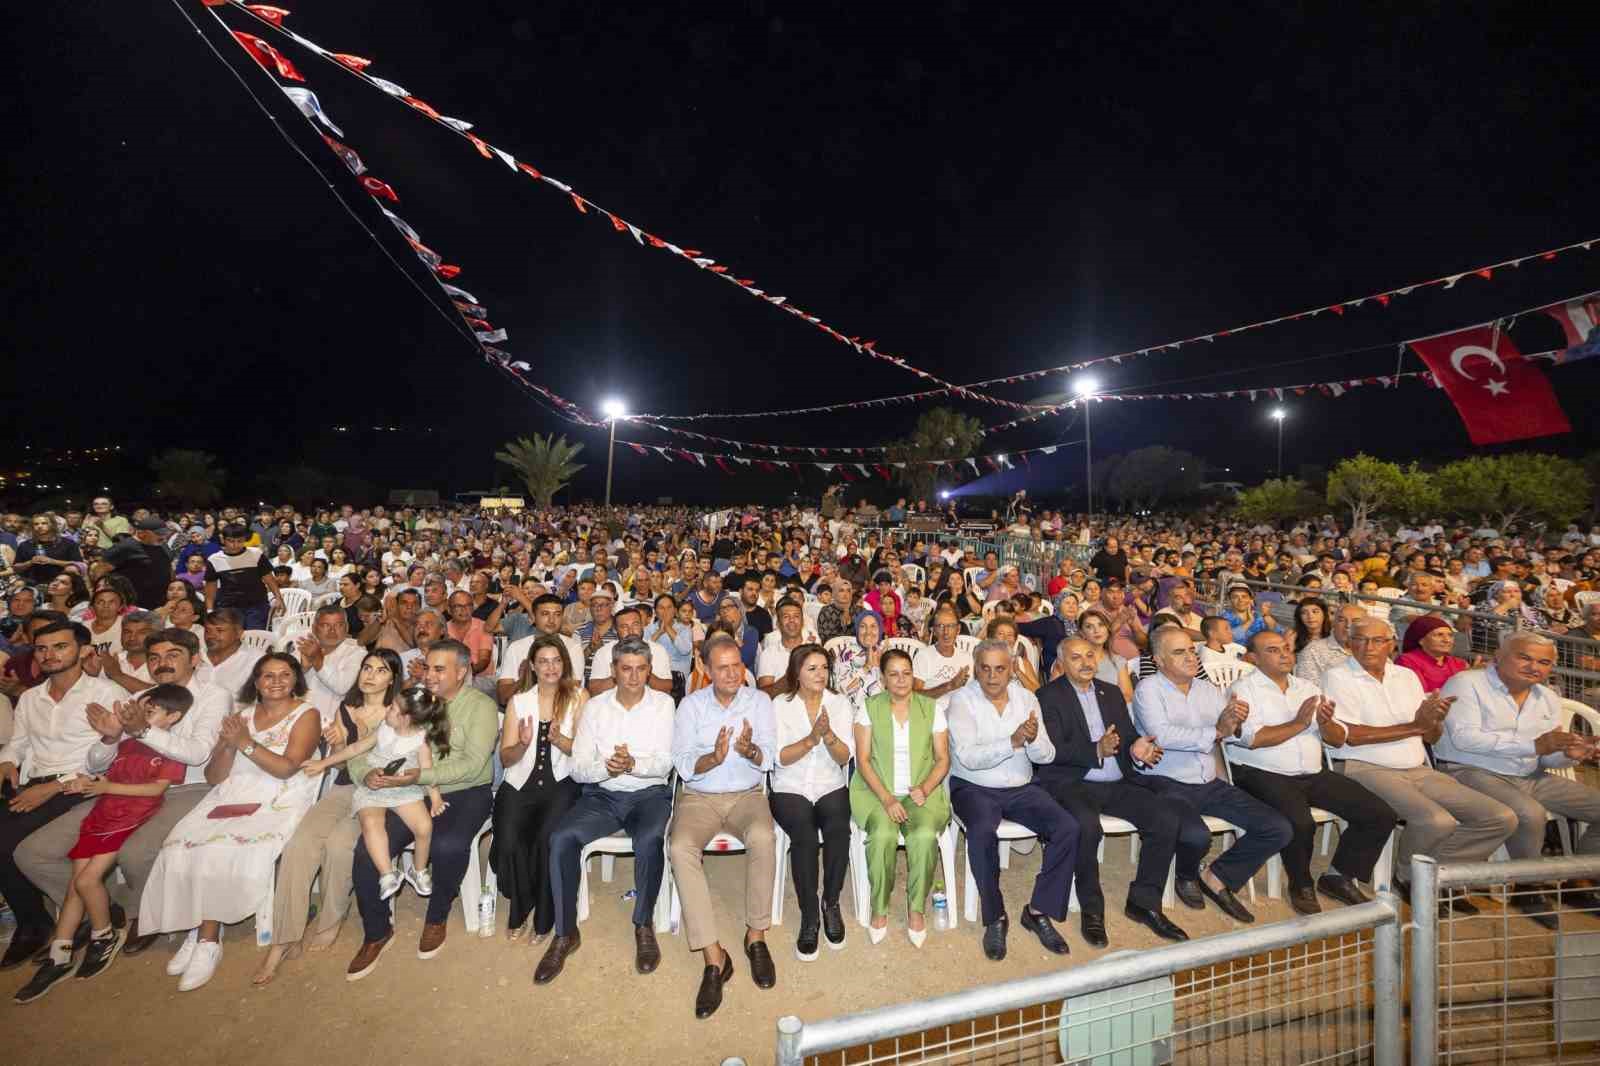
<point>1343,889</point>
<point>555,957</point>
<point>805,945</point>
<point>1039,925</point>
<point>646,952</point>
<point>1538,906</point>
<point>1304,900</point>
<point>762,971</point>
<point>709,998</point>
<point>1094,930</point>
<point>833,924</point>
<point>137,944</point>
<point>994,938</point>
<point>1227,903</point>
<point>1189,893</point>
<point>1156,922</point>
<point>25,943</point>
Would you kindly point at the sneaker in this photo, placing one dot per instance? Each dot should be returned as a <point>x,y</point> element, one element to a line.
<point>99,954</point>
<point>44,979</point>
<point>421,880</point>
<point>389,884</point>
<point>202,967</point>
<point>180,962</point>
<point>805,946</point>
<point>832,925</point>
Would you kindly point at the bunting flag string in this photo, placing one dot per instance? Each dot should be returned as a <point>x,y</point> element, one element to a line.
<point>472,313</point>
<point>357,67</point>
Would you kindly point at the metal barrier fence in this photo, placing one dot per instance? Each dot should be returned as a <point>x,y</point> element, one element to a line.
<point>1513,984</point>
<point>1321,989</point>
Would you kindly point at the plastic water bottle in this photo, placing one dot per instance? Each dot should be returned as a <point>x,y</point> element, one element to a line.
<point>486,914</point>
<point>941,912</point>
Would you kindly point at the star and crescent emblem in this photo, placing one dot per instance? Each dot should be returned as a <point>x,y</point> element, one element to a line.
<point>1459,357</point>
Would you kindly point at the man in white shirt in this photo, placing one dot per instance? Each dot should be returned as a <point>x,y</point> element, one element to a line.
<point>629,623</point>
<point>995,738</point>
<point>1187,717</point>
<point>50,740</point>
<point>941,668</point>
<point>772,658</point>
<point>546,621</point>
<point>1277,757</point>
<point>331,660</point>
<point>1381,719</point>
<point>1502,738</point>
<point>229,660</point>
<point>621,755</point>
<point>173,658</point>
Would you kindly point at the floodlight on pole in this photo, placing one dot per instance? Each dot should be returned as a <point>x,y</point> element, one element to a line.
<point>1278,415</point>
<point>1085,387</point>
<point>613,409</point>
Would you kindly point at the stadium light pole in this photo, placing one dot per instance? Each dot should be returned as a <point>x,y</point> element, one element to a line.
<point>613,410</point>
<point>1085,388</point>
<point>1278,415</point>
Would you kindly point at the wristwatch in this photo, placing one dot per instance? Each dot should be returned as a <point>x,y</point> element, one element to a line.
<point>248,750</point>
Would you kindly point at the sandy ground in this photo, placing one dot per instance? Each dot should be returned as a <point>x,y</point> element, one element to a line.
<point>476,1003</point>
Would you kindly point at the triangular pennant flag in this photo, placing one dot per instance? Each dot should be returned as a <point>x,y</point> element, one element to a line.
<point>453,291</point>
<point>347,155</point>
<point>492,336</point>
<point>388,86</point>
<point>274,15</point>
<point>266,55</point>
<point>640,448</point>
<point>306,101</point>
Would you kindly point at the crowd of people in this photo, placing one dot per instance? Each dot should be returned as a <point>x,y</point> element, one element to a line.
<point>229,708</point>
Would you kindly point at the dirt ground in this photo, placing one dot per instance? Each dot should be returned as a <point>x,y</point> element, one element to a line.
<point>476,1002</point>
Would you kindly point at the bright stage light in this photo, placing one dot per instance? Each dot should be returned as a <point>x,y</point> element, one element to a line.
<point>1279,413</point>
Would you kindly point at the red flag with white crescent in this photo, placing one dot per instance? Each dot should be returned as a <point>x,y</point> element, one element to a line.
<point>1499,394</point>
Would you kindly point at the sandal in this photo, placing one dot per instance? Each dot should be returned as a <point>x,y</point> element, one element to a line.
<point>277,955</point>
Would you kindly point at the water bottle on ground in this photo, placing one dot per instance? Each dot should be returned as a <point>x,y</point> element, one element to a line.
<point>941,912</point>
<point>486,914</point>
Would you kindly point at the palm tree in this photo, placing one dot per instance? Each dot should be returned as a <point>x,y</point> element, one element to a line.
<point>184,475</point>
<point>544,464</point>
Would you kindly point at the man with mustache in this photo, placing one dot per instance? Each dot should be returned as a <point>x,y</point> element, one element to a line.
<point>172,656</point>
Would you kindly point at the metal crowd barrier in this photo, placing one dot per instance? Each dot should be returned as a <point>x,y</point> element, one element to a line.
<point>1320,989</point>
<point>1498,987</point>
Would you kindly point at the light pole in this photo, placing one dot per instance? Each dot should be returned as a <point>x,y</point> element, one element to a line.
<point>1085,388</point>
<point>613,410</point>
<point>1278,415</point>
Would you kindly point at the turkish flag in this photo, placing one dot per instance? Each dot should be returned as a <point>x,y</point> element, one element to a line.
<point>1499,395</point>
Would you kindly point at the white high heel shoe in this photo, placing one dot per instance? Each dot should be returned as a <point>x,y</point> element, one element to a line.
<point>877,933</point>
<point>918,937</point>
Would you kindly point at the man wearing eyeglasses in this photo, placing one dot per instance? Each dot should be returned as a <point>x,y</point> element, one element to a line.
<point>1381,721</point>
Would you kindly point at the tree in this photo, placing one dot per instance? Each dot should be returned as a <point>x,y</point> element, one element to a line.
<point>1370,486</point>
<point>940,435</point>
<point>1497,490</point>
<point>1275,499</point>
<point>544,464</point>
<point>1150,476</point>
<point>187,476</point>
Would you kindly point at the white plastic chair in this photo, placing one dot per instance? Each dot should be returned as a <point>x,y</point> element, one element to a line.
<point>1224,672</point>
<point>261,640</point>
<point>295,601</point>
<point>1325,819</point>
<point>968,643</point>
<point>781,874</point>
<point>1112,827</point>
<point>722,843</point>
<point>322,600</point>
<point>836,644</point>
<point>299,622</point>
<point>1571,709</point>
<point>914,573</point>
<point>909,645</point>
<point>474,885</point>
<point>1007,831</point>
<point>608,848</point>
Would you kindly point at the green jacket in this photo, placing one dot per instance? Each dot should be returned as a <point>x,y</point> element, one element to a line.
<point>474,734</point>
<point>882,720</point>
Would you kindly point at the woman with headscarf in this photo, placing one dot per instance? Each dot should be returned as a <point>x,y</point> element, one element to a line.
<point>855,665</point>
<point>1425,651</point>
<point>357,537</point>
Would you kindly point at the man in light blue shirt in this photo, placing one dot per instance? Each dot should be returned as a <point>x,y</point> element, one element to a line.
<point>995,738</point>
<point>1187,717</point>
<point>724,740</point>
<point>1504,733</point>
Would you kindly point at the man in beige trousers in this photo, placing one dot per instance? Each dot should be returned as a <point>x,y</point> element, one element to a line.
<point>724,740</point>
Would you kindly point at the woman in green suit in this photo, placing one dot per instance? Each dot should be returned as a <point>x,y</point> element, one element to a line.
<point>902,757</point>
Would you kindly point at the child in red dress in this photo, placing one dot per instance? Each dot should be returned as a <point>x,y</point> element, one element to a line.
<point>130,793</point>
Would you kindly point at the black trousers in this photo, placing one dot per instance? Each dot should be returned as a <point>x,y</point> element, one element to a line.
<point>1370,819</point>
<point>452,841</point>
<point>1158,824</point>
<point>27,902</point>
<point>801,820</point>
<point>982,809</point>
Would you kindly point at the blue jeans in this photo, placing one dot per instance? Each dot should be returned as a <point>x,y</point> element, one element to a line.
<point>255,617</point>
<point>1264,832</point>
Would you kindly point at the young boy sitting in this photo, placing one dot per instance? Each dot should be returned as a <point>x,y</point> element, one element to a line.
<point>130,793</point>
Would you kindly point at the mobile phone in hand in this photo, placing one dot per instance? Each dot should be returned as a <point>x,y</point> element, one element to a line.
<point>394,767</point>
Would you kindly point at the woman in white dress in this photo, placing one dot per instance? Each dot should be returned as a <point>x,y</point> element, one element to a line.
<point>216,865</point>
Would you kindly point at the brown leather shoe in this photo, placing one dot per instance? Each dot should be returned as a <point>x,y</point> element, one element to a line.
<point>555,957</point>
<point>137,944</point>
<point>709,998</point>
<point>432,941</point>
<point>646,952</point>
<point>367,958</point>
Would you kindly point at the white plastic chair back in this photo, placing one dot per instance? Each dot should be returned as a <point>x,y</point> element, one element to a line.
<point>1224,672</point>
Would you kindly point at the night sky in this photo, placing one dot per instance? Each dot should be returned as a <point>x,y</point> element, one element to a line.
<point>982,190</point>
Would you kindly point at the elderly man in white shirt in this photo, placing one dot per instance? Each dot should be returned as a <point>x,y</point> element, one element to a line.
<point>941,667</point>
<point>1381,719</point>
<point>50,740</point>
<point>1504,734</point>
<point>724,740</point>
<point>1187,717</point>
<point>173,656</point>
<point>995,740</point>
<point>1277,758</point>
<point>331,660</point>
<point>622,755</point>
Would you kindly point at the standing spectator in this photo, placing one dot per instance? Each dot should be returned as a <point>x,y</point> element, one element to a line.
<point>46,554</point>
<point>241,577</point>
<point>105,521</point>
